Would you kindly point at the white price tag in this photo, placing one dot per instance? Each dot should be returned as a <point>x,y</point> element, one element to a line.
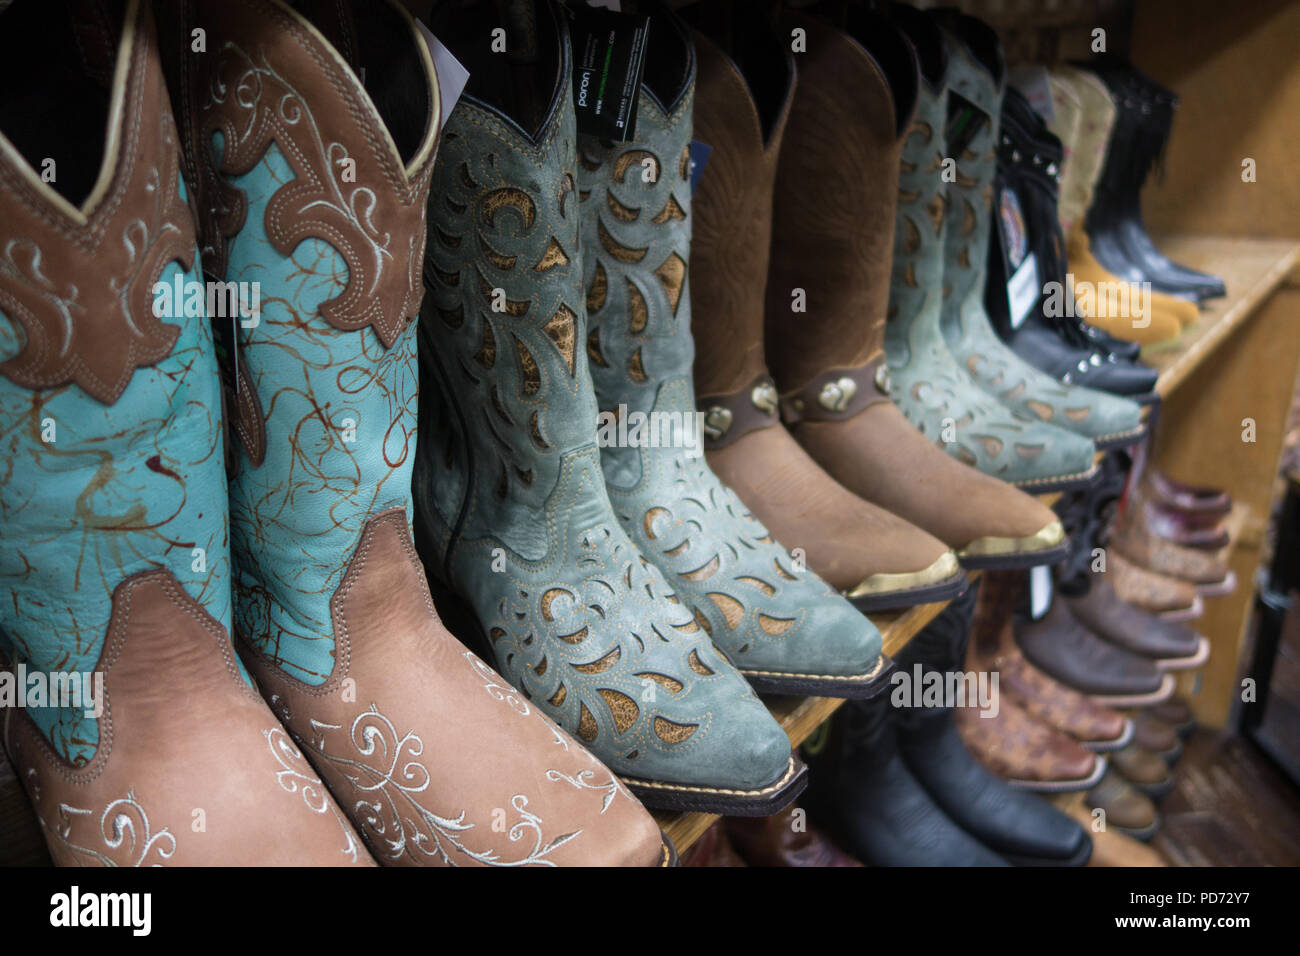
<point>452,77</point>
<point>1040,590</point>
<point>1023,290</point>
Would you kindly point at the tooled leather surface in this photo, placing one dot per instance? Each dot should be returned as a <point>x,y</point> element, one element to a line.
<point>733,224</point>
<point>930,386</point>
<point>833,217</point>
<point>271,81</point>
<point>1147,589</point>
<point>1133,537</point>
<point>1015,745</point>
<point>966,326</point>
<point>110,458</point>
<point>760,609</point>
<point>576,617</point>
<point>230,789</point>
<point>403,685</point>
<point>1071,653</point>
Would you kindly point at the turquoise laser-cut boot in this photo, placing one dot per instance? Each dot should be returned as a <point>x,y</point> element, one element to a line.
<point>976,79</point>
<point>784,628</point>
<point>933,390</point>
<point>510,495</point>
<point>315,165</point>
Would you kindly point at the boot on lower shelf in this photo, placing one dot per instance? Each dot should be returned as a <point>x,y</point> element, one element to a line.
<point>1159,737</point>
<point>785,629</point>
<point>1134,538</point>
<point>868,800</point>
<point>1078,658</point>
<point>1168,644</point>
<point>1169,599</point>
<point>1021,827</point>
<point>876,559</point>
<point>511,502</point>
<point>1176,712</point>
<point>1147,771</point>
<point>828,361</point>
<point>1123,808</point>
<point>115,571</point>
<point>332,608</point>
<point>784,839</point>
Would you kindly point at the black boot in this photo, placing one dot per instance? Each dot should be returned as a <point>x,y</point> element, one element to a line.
<point>1025,195</point>
<point>1143,120</point>
<point>1024,829</point>
<point>862,792</point>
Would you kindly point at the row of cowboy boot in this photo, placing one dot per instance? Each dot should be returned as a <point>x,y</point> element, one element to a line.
<point>1046,333</point>
<point>330,608</point>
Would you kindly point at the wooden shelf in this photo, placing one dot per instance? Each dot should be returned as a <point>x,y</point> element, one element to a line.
<point>1250,268</point>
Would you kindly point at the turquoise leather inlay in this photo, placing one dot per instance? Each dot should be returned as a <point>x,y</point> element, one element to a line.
<point>340,412</point>
<point>91,494</point>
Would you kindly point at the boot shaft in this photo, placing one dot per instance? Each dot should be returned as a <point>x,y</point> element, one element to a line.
<point>733,207</point>
<point>109,392</point>
<point>836,191</point>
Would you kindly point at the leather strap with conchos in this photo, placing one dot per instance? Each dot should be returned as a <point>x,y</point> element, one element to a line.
<point>729,417</point>
<point>838,394</point>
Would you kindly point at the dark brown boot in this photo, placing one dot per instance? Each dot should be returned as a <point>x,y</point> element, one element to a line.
<point>878,560</point>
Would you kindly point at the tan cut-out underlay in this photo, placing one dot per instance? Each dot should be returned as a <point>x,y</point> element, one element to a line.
<point>577,637</point>
<point>487,353</point>
<point>557,698</point>
<point>540,669</point>
<point>561,328</point>
<point>673,276</point>
<point>553,256</point>
<point>909,276</point>
<point>530,376</point>
<point>635,369</point>
<point>673,733</point>
<point>670,211</point>
<point>732,610</point>
<point>636,157</point>
<point>625,254</point>
<point>587,728</point>
<point>911,236</point>
<point>1077,414</point>
<point>598,291</point>
<point>967,218</point>
<point>663,680</point>
<point>638,313</point>
<point>508,197</point>
<point>703,623</point>
<point>495,634</point>
<point>601,665</point>
<point>535,432</point>
<point>704,571</point>
<point>936,209</point>
<point>782,571</point>
<point>549,598</point>
<point>512,307</point>
<point>621,707</point>
<point>775,625</point>
<point>992,446</point>
<point>1029,452</point>
<point>503,262</point>
<point>648,520</point>
<point>684,164</point>
<point>563,191</point>
<point>758,583</point>
<point>690,627</point>
<point>1041,409</point>
<point>593,348</point>
<point>619,211</point>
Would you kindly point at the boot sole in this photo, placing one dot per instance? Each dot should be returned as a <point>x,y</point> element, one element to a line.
<point>1189,613</point>
<point>853,687</point>
<point>1143,835</point>
<point>1062,786</point>
<point>947,590</point>
<point>1080,858</point>
<point>1159,696</point>
<point>1219,588</point>
<point>669,857</point>
<point>1015,560</point>
<point>1075,482</point>
<point>1186,663</point>
<point>1121,440</point>
<point>762,802</point>
<point>1156,791</point>
<point>1106,746</point>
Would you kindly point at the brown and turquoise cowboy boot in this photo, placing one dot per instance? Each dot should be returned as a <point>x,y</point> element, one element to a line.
<point>783,627</point>
<point>153,749</point>
<point>313,136</point>
<point>976,79</point>
<point>931,386</point>
<point>832,241</point>
<point>513,510</point>
<point>873,557</point>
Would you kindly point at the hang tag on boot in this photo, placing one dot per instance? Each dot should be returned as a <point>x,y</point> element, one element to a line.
<point>452,76</point>
<point>1024,287</point>
<point>699,158</point>
<point>608,58</point>
<point>1040,590</point>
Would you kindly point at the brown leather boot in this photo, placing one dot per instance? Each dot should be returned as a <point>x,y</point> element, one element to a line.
<point>1123,808</point>
<point>1153,734</point>
<point>116,576</point>
<point>1170,645</point>
<point>1137,541</point>
<point>1169,598</point>
<point>436,758</point>
<point>784,839</point>
<point>1027,753</point>
<point>877,559</point>
<point>832,241</point>
<point>993,648</point>
<point>1143,769</point>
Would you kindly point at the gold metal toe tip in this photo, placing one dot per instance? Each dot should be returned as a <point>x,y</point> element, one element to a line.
<point>945,567</point>
<point>1044,539</point>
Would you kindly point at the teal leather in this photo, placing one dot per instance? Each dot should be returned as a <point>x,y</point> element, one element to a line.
<point>767,616</point>
<point>509,488</point>
<point>123,488</point>
<point>966,325</point>
<point>931,388</point>
<point>296,518</point>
